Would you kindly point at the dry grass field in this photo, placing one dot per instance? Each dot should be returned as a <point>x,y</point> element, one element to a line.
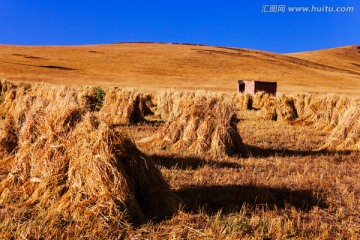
<point>112,163</point>
<point>115,142</point>
<point>150,66</point>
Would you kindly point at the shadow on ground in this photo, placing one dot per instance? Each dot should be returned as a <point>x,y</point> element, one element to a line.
<point>263,152</point>
<point>230,198</point>
<point>189,162</point>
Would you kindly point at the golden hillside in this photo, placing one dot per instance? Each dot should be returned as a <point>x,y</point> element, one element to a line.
<point>151,66</point>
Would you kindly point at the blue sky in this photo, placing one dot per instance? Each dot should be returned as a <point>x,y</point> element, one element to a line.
<point>236,23</point>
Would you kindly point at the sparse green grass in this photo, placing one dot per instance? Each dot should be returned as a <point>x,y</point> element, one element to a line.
<point>100,94</point>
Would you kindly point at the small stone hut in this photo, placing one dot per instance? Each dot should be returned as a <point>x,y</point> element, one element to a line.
<point>251,87</point>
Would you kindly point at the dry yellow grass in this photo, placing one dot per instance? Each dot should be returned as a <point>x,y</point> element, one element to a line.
<point>344,57</point>
<point>319,111</point>
<point>336,113</point>
<point>324,111</point>
<point>64,173</point>
<point>150,66</point>
<point>169,102</point>
<point>286,190</point>
<point>346,135</point>
<point>68,174</point>
<point>279,108</point>
<point>202,124</point>
<point>125,107</point>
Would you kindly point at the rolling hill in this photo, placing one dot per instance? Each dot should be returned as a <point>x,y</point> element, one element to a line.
<point>150,66</point>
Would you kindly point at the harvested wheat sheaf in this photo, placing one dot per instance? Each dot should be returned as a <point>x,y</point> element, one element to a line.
<point>125,107</point>
<point>268,111</point>
<point>6,86</point>
<point>242,101</point>
<point>336,113</point>
<point>64,172</point>
<point>261,99</point>
<point>169,102</point>
<point>279,108</point>
<point>346,135</point>
<point>323,111</point>
<point>286,110</point>
<point>204,125</point>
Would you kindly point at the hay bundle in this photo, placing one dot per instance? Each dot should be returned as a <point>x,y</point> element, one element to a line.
<point>243,101</point>
<point>6,86</point>
<point>16,103</point>
<point>91,97</point>
<point>261,99</point>
<point>73,175</point>
<point>15,97</point>
<point>8,137</point>
<point>285,109</point>
<point>146,104</point>
<point>206,126</point>
<point>281,108</point>
<point>323,112</point>
<point>19,101</point>
<point>302,102</point>
<point>269,110</point>
<point>124,107</point>
<point>169,102</point>
<point>346,135</point>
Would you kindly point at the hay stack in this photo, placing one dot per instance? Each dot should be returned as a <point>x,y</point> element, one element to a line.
<point>302,103</point>
<point>323,112</point>
<point>243,101</point>
<point>8,137</point>
<point>169,102</point>
<point>73,175</point>
<point>18,101</point>
<point>146,104</point>
<point>268,111</point>
<point>90,97</point>
<point>16,104</point>
<point>261,99</point>
<point>206,126</point>
<point>125,107</point>
<point>280,108</point>
<point>6,86</point>
<point>346,135</point>
<point>286,110</point>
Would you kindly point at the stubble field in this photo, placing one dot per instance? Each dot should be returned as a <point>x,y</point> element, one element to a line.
<point>96,163</point>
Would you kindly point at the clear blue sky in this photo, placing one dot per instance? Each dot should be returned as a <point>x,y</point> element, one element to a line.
<point>237,23</point>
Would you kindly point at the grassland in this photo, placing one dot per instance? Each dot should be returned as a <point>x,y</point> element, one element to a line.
<point>150,66</point>
<point>87,163</point>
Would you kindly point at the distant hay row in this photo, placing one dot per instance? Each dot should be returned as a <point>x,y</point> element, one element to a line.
<point>217,136</point>
<point>323,112</point>
<point>126,107</point>
<point>338,114</point>
<point>116,106</point>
